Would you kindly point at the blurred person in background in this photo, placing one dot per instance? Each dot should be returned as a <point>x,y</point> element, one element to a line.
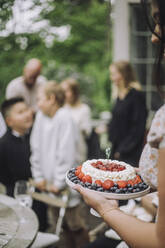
<point>15,150</point>
<point>80,112</point>
<point>54,142</point>
<point>127,126</point>
<point>14,145</point>
<point>26,86</point>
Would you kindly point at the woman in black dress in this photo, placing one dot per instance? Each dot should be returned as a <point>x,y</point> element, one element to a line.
<point>127,126</point>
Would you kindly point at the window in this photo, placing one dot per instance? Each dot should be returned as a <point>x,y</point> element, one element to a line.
<point>142,55</point>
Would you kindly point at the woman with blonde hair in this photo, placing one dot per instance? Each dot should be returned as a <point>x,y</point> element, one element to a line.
<point>80,112</point>
<point>128,77</point>
<point>127,126</point>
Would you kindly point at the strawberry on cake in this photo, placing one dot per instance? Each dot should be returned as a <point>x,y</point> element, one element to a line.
<point>107,175</point>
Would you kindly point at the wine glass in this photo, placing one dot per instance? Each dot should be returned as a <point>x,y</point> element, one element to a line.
<point>22,193</point>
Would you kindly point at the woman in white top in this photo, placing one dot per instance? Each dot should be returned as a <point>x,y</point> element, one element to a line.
<point>80,112</point>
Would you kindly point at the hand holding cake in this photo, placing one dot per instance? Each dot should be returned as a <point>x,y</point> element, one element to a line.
<point>93,198</point>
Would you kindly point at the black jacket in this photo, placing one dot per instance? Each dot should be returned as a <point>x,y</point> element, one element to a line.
<point>127,127</point>
<point>14,160</point>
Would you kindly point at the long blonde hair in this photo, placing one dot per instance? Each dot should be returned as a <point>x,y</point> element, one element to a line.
<point>129,77</point>
<point>52,88</point>
<point>128,74</point>
<point>74,87</point>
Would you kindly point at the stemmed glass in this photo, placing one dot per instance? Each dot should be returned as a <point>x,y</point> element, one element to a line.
<point>22,193</point>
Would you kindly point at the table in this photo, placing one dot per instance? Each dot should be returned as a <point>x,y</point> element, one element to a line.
<point>14,233</point>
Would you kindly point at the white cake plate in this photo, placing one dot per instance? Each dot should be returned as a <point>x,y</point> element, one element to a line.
<point>112,196</point>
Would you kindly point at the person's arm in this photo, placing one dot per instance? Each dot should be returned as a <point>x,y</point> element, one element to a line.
<point>136,233</point>
<point>160,226</point>
<point>130,229</point>
<point>35,154</point>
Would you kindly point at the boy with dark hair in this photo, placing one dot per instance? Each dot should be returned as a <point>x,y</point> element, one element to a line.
<point>14,145</point>
<point>15,149</point>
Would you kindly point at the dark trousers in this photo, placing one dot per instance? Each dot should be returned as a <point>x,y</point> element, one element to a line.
<point>40,209</point>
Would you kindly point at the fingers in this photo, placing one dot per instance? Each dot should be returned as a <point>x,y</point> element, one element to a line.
<point>78,188</point>
<point>88,195</point>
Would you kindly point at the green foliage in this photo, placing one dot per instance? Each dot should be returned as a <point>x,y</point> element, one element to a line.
<point>88,37</point>
<point>101,88</point>
<point>84,54</point>
<point>5,12</point>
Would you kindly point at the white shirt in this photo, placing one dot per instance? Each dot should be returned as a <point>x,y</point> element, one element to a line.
<point>53,145</point>
<point>54,149</point>
<point>17,87</point>
<point>81,115</point>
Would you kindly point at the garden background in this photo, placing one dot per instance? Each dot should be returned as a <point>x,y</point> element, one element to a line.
<point>70,37</point>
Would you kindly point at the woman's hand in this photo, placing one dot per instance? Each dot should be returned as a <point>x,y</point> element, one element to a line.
<point>96,200</point>
<point>41,185</point>
<point>53,189</point>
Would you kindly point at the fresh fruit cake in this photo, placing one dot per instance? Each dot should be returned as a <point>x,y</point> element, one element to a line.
<point>107,175</point>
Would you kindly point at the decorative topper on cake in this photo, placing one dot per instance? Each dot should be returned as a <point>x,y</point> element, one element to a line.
<point>108,152</point>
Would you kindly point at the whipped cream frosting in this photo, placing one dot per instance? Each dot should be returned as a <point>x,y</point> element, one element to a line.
<point>98,174</point>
